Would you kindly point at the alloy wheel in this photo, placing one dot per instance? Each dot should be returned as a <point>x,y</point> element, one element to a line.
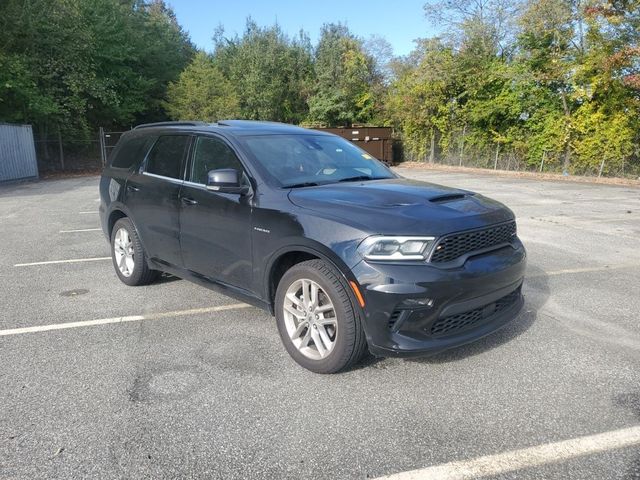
<point>123,251</point>
<point>310,319</point>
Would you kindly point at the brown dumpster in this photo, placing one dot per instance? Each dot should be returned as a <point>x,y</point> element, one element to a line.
<point>376,141</point>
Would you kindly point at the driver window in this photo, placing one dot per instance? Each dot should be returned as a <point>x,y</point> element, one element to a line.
<point>212,154</point>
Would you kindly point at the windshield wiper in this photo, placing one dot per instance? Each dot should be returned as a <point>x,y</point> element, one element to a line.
<point>359,177</point>
<point>346,179</point>
<point>301,184</point>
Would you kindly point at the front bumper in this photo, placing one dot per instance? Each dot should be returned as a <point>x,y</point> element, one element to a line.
<point>419,309</point>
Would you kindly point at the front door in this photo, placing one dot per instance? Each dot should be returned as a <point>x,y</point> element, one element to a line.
<point>215,227</point>
<point>153,197</point>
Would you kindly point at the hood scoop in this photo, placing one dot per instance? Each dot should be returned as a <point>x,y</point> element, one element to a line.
<point>401,207</point>
<point>448,198</point>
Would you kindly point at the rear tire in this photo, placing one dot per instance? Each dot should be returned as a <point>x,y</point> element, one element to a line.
<point>129,259</point>
<point>316,318</point>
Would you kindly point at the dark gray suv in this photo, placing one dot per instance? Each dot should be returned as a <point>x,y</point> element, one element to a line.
<point>304,224</point>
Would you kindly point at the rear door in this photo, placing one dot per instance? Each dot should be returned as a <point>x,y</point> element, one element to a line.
<point>215,227</point>
<point>125,159</point>
<point>153,198</point>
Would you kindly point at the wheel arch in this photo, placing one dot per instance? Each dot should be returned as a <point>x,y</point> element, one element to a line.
<point>115,215</point>
<point>117,212</point>
<point>286,257</point>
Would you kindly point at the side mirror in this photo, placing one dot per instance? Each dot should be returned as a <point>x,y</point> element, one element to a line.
<point>226,180</point>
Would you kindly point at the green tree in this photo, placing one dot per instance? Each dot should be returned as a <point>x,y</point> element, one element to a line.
<point>483,111</point>
<point>421,98</point>
<point>607,121</point>
<point>164,51</point>
<point>202,93</point>
<point>604,139</point>
<point>270,72</point>
<point>47,45</point>
<point>536,80</point>
<point>73,65</point>
<point>550,52</point>
<point>345,76</point>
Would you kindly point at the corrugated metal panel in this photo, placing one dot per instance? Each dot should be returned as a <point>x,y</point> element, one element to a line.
<point>17,153</point>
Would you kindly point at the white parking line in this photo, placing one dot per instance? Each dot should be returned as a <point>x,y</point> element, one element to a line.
<point>594,269</point>
<point>130,318</point>
<point>81,230</point>
<point>71,260</point>
<point>589,269</point>
<point>86,213</point>
<point>527,457</point>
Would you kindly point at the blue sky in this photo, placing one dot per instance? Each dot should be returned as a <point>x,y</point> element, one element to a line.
<point>400,22</point>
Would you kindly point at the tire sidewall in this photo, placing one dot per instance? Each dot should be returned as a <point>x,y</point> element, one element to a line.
<point>344,314</point>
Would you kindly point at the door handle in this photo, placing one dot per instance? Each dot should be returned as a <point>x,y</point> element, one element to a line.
<point>189,201</point>
<point>133,188</point>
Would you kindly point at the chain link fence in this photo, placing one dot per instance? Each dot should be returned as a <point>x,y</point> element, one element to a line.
<point>60,153</point>
<point>56,153</point>
<point>495,158</point>
<point>67,155</point>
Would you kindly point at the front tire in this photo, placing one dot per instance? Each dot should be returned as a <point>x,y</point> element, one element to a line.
<point>316,318</point>
<point>129,259</point>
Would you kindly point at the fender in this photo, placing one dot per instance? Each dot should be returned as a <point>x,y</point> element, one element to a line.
<point>314,248</point>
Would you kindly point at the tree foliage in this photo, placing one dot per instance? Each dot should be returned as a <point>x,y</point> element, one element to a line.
<point>560,82</point>
<point>77,64</point>
<point>345,79</point>
<point>202,92</point>
<point>271,76</point>
<point>422,99</point>
<point>271,73</point>
<point>520,82</point>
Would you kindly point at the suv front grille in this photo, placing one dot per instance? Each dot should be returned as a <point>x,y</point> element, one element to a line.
<point>454,246</point>
<point>462,321</point>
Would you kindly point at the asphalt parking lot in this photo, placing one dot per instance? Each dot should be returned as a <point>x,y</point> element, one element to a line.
<point>175,381</point>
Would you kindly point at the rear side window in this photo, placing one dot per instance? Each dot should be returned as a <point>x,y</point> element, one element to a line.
<point>212,154</point>
<point>166,156</point>
<point>131,151</point>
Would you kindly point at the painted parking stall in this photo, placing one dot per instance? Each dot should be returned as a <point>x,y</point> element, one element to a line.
<point>172,379</point>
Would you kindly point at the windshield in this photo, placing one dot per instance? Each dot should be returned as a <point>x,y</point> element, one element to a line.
<point>307,160</point>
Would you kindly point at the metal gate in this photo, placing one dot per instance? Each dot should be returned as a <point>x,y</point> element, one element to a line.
<point>108,141</point>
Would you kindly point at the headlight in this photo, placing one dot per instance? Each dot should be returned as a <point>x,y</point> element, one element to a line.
<point>395,248</point>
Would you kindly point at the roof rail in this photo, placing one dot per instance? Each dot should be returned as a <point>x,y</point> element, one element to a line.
<point>246,123</point>
<point>170,124</point>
